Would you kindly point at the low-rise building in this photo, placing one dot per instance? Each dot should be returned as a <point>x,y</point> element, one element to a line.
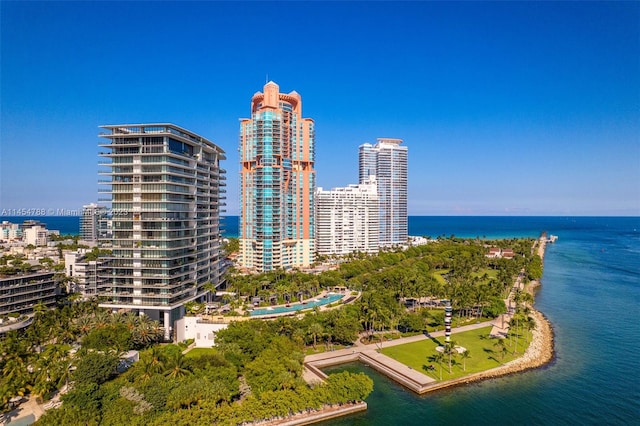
<point>21,292</point>
<point>202,331</point>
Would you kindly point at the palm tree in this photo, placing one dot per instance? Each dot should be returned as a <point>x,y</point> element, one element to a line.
<point>529,325</point>
<point>101,318</point>
<point>315,329</point>
<point>14,371</point>
<point>451,351</point>
<point>175,367</point>
<point>39,309</point>
<point>502,349</point>
<point>152,364</point>
<point>438,357</point>
<point>211,288</point>
<point>465,355</point>
<point>84,325</point>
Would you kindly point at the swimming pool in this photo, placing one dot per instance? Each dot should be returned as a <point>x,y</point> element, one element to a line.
<point>330,298</point>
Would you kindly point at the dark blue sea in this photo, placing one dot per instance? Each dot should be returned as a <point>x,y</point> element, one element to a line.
<point>591,294</point>
<point>432,226</point>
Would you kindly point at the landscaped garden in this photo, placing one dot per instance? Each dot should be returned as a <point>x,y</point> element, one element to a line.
<point>483,353</point>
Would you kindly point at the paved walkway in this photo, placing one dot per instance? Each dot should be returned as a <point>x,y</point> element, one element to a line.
<point>501,326</point>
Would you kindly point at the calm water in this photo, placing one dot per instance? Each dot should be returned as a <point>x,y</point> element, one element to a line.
<point>591,293</point>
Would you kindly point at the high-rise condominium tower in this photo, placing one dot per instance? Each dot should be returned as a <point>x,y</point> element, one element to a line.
<point>347,219</point>
<point>93,223</point>
<point>165,191</point>
<point>277,183</point>
<point>387,161</point>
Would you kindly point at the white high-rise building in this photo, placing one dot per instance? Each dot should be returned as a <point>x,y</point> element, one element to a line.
<point>93,223</point>
<point>165,195</point>
<point>347,219</point>
<point>387,161</point>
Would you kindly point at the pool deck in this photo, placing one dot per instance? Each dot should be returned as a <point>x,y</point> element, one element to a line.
<point>345,296</point>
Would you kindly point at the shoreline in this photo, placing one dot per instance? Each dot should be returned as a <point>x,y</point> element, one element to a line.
<point>539,353</point>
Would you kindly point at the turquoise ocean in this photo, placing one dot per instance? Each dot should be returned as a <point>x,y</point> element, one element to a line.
<point>591,294</point>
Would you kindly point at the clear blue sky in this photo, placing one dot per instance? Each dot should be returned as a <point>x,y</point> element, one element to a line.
<point>507,108</point>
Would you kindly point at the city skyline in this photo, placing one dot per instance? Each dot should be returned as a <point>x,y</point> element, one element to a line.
<point>509,108</point>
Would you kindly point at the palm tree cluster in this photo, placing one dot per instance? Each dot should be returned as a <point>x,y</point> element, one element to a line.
<point>41,358</point>
<point>453,269</point>
<point>521,321</point>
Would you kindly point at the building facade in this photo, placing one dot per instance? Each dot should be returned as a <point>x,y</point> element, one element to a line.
<point>387,161</point>
<point>277,183</point>
<point>88,275</point>
<point>20,293</point>
<point>93,223</point>
<point>10,231</point>
<point>165,192</point>
<point>347,219</point>
<point>36,235</point>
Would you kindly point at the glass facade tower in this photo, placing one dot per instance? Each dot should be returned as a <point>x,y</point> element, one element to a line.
<point>165,192</point>
<point>277,183</point>
<point>387,161</point>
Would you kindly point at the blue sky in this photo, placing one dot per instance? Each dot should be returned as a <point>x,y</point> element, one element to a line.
<point>507,108</point>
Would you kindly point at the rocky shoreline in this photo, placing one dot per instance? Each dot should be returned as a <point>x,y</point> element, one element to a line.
<point>539,353</point>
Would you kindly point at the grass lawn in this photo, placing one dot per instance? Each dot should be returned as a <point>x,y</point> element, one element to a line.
<point>484,355</point>
<point>491,273</point>
<point>197,352</point>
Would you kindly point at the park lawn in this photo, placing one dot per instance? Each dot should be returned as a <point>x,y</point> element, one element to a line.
<point>198,352</point>
<point>491,273</point>
<point>484,356</point>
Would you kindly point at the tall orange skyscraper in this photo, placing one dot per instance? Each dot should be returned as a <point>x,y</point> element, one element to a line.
<point>277,183</point>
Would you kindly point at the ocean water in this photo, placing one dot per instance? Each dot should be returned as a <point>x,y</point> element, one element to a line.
<point>70,225</point>
<point>591,294</point>
<point>67,225</point>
